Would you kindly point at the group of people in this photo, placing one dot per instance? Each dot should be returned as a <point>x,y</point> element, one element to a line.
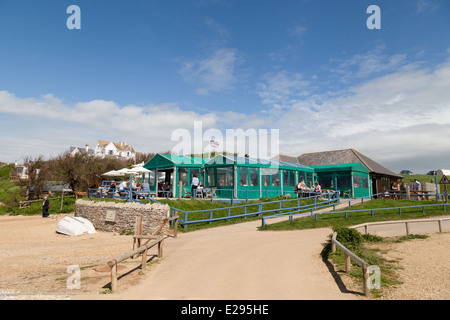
<point>301,188</point>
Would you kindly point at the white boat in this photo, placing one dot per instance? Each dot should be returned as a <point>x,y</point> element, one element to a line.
<point>74,226</point>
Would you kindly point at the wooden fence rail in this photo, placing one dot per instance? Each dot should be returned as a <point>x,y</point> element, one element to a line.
<point>139,249</point>
<point>348,254</point>
<point>406,222</point>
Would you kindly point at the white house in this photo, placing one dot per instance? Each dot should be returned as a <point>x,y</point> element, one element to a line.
<point>75,150</point>
<point>112,149</point>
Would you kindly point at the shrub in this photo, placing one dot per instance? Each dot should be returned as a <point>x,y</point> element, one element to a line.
<point>349,237</point>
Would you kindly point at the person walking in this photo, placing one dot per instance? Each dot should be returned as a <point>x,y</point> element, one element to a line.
<point>45,208</point>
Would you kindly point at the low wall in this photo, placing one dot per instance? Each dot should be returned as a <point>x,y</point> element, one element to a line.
<point>118,217</point>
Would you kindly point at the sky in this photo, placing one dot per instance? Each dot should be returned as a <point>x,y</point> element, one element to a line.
<point>311,73</point>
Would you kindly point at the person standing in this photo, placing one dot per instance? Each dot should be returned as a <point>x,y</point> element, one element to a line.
<point>45,208</point>
<point>194,186</point>
<point>417,184</point>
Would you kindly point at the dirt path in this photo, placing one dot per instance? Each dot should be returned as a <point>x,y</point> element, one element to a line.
<point>239,262</point>
<point>230,262</point>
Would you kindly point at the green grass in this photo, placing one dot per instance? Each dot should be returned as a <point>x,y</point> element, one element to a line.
<point>370,254</point>
<point>422,178</point>
<point>9,190</point>
<point>35,208</point>
<point>222,210</point>
<point>338,219</point>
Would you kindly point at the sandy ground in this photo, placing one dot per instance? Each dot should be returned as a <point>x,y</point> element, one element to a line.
<point>425,270</point>
<point>231,262</point>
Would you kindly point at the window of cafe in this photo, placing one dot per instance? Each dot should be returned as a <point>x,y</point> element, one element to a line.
<point>243,176</point>
<point>210,177</point>
<point>309,179</point>
<point>357,181</point>
<point>254,176</point>
<point>275,177</point>
<point>183,175</point>
<point>266,177</point>
<point>225,176</point>
<point>289,178</point>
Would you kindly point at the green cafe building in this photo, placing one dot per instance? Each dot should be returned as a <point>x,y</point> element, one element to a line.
<point>250,178</point>
<point>169,170</point>
<point>351,179</point>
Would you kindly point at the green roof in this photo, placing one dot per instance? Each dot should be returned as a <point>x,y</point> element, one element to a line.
<point>171,160</point>
<point>221,160</point>
<point>357,166</point>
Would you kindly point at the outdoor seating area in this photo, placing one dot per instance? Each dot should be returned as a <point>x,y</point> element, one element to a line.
<point>226,177</point>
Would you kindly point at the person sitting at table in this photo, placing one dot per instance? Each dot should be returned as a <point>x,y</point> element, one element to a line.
<point>395,189</point>
<point>112,188</point>
<point>201,190</point>
<point>317,188</point>
<point>123,186</point>
<point>145,187</point>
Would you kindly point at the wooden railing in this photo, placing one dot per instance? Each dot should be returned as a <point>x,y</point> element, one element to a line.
<point>350,255</point>
<point>364,265</point>
<point>141,249</point>
<point>406,222</point>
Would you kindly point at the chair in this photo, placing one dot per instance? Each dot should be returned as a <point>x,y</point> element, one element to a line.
<point>210,194</point>
<point>346,194</point>
<point>187,193</point>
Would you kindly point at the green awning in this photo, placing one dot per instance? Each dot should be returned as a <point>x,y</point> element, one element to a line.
<point>357,166</point>
<point>161,161</point>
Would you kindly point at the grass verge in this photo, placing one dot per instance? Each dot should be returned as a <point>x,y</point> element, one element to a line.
<point>368,248</point>
<point>341,219</point>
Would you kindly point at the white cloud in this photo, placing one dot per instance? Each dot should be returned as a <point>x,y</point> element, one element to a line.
<point>277,89</point>
<point>402,115</point>
<point>368,64</point>
<point>213,74</point>
<point>57,126</point>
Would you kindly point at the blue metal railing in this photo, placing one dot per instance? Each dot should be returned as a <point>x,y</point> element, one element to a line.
<point>250,209</point>
<point>437,195</point>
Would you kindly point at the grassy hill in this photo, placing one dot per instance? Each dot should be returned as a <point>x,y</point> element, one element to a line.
<point>9,190</point>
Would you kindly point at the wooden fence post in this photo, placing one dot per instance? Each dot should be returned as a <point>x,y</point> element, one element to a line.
<point>365,280</point>
<point>114,278</point>
<point>144,260</point>
<point>347,263</point>
<point>160,248</point>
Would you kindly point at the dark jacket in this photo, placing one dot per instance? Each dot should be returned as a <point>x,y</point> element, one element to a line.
<point>46,205</point>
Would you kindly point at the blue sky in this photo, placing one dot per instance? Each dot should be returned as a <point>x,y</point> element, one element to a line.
<point>138,70</point>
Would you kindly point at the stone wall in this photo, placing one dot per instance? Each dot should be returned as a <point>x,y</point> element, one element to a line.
<point>118,217</point>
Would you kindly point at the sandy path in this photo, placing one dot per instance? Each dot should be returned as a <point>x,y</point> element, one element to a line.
<point>239,262</point>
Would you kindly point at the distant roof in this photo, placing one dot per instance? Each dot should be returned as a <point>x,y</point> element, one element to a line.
<point>285,158</point>
<point>81,150</point>
<point>344,156</point>
<point>119,145</point>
